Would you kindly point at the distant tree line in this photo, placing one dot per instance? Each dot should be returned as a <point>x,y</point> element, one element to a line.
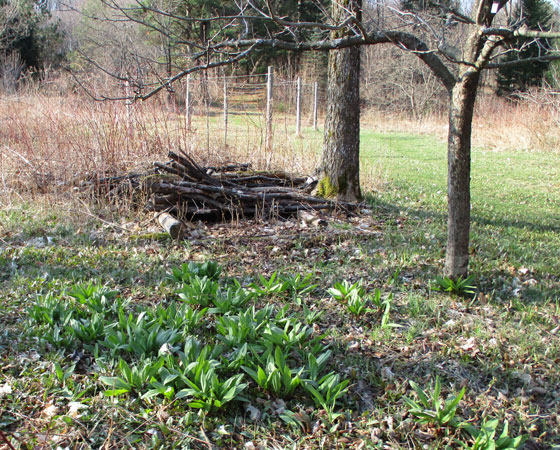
<point>30,39</point>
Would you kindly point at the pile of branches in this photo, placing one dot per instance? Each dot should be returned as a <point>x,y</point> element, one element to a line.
<point>189,191</point>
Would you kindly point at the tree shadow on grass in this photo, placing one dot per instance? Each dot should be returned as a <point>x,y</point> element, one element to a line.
<point>537,286</point>
<point>475,218</point>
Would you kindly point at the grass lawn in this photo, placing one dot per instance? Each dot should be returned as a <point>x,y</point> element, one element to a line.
<point>102,345</point>
<point>515,207</point>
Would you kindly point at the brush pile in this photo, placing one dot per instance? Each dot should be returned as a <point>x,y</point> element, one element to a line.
<point>190,192</point>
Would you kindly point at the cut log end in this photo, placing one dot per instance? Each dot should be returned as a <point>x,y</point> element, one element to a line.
<point>172,226</point>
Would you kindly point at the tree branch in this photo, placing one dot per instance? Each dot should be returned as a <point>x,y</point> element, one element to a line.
<point>403,40</point>
<point>517,62</point>
<point>509,34</point>
<point>184,73</point>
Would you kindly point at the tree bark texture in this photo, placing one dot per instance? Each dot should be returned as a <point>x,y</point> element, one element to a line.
<point>463,93</point>
<point>461,108</point>
<point>340,164</point>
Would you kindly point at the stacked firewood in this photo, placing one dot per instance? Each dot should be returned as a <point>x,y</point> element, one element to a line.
<point>190,192</point>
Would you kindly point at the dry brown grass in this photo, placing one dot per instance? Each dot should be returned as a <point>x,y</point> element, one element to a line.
<point>383,122</point>
<point>528,124</point>
<point>51,142</point>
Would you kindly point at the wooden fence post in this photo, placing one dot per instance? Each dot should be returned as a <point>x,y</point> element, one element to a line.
<point>298,107</point>
<point>129,118</point>
<point>128,101</point>
<point>207,101</point>
<point>188,103</point>
<point>225,111</point>
<point>315,104</point>
<point>269,90</point>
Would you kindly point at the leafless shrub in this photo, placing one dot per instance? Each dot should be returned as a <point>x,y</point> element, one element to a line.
<point>396,82</point>
<point>11,69</point>
<point>543,105</point>
<point>51,141</point>
<point>528,121</point>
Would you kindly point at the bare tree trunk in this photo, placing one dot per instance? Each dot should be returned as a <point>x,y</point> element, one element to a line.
<point>461,107</point>
<point>340,165</point>
<point>477,52</point>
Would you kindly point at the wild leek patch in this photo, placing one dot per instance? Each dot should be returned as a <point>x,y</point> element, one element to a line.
<point>207,347</point>
<point>432,410</point>
<point>485,437</point>
<point>459,287</point>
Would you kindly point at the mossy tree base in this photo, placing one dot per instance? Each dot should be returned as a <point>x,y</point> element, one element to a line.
<point>339,171</point>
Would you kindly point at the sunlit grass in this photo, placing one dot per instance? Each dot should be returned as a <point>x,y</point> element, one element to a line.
<point>515,205</point>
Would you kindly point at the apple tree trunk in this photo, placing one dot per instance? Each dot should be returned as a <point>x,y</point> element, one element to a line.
<point>339,173</point>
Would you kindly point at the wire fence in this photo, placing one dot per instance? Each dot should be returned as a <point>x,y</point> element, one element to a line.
<point>267,107</point>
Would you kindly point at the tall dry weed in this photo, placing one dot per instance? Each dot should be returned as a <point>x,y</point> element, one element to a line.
<point>51,142</point>
<point>528,122</point>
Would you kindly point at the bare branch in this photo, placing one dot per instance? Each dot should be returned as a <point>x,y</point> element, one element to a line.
<point>403,40</point>
<point>509,33</point>
<point>489,46</point>
<point>233,50</point>
<point>184,73</point>
<point>291,24</point>
<point>459,16</point>
<point>517,62</point>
